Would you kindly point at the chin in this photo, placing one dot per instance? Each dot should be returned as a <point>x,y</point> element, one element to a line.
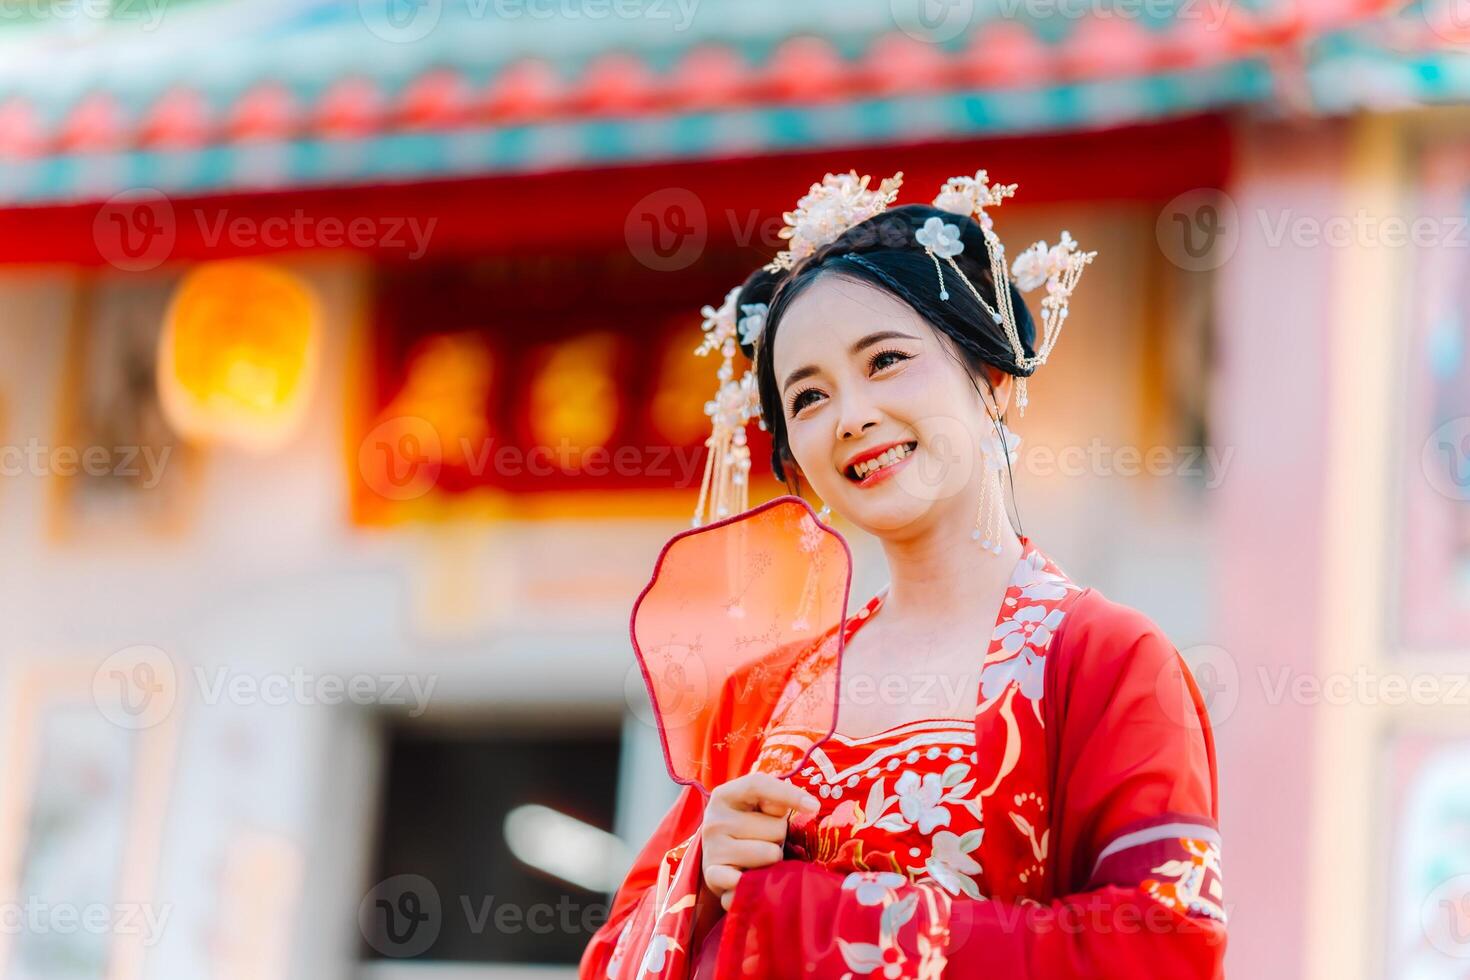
<point>896,512</point>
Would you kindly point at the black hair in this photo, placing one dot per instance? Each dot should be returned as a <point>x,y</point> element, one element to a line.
<point>884,253</point>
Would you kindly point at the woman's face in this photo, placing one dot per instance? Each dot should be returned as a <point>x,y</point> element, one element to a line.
<point>860,371</point>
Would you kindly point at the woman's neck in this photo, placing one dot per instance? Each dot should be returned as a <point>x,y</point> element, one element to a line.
<point>945,575</point>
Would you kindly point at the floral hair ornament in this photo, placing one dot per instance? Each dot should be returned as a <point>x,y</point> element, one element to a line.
<point>940,239</point>
<point>1058,267</point>
<point>752,320</point>
<point>725,489</point>
<point>829,208</point>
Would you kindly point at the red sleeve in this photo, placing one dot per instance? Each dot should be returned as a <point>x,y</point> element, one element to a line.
<point>1134,846</point>
<point>1135,816</point>
<point>637,893</point>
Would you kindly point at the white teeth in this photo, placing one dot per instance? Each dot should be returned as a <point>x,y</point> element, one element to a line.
<point>887,459</point>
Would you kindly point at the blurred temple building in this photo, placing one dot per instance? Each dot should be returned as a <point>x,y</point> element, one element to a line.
<point>346,397</point>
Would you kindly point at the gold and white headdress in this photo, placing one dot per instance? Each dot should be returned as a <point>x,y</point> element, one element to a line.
<point>725,489</point>
<point>831,207</point>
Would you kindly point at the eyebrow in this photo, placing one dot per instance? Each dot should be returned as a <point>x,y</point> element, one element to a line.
<point>857,348</point>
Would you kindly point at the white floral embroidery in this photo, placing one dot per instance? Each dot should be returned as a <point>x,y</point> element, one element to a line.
<point>920,800</point>
<point>1030,626</point>
<point>653,958</point>
<point>1026,669</point>
<point>615,962</point>
<point>951,865</point>
<point>864,958</point>
<point>873,887</point>
<point>1036,582</point>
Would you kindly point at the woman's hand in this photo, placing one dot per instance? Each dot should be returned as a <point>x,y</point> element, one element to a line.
<point>745,827</point>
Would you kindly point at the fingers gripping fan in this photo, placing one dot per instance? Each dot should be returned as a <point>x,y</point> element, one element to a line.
<point>739,635</point>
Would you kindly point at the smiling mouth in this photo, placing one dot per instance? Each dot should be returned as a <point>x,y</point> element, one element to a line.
<point>860,471</point>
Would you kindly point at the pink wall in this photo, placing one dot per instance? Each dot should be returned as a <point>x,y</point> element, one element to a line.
<point>1273,304</point>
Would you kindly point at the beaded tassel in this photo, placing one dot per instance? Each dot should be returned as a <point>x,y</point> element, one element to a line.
<point>725,488</point>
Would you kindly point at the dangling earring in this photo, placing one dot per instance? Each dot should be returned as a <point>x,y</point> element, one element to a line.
<point>825,514</point>
<point>987,519</point>
<point>997,450</point>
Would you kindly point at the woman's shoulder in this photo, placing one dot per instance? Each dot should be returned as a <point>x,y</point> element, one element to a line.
<point>1101,637</point>
<point>1094,611</point>
<point>1113,668</point>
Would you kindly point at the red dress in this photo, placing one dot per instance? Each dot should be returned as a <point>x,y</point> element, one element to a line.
<point>899,802</point>
<point>1069,829</point>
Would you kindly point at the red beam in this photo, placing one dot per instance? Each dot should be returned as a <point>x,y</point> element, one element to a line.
<point>595,210</point>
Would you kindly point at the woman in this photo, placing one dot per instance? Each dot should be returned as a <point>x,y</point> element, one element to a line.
<point>1020,781</point>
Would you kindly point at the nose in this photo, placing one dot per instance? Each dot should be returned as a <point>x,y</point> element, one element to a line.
<point>858,416</point>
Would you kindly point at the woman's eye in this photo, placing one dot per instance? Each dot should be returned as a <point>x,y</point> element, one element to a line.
<point>884,359</point>
<point>801,400</point>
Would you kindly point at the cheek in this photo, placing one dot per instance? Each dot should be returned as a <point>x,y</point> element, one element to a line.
<point>921,390</point>
<point>911,384</point>
<point>810,443</point>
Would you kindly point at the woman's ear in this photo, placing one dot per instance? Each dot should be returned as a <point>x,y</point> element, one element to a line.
<point>1001,384</point>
